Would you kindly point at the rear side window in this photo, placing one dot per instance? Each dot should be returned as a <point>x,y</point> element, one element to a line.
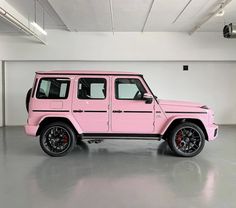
<point>53,88</point>
<point>92,88</point>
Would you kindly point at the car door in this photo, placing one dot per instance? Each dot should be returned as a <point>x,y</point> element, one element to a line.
<point>90,103</point>
<point>130,113</point>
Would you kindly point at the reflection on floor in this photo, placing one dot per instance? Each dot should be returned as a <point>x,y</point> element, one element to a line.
<point>116,174</point>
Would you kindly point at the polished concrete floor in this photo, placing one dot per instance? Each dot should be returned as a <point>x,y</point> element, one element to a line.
<point>114,174</point>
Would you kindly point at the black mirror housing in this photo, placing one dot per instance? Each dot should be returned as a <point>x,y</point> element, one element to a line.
<point>148,98</point>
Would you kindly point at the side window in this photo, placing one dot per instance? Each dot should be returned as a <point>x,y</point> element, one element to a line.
<point>129,89</point>
<point>53,88</point>
<point>92,88</point>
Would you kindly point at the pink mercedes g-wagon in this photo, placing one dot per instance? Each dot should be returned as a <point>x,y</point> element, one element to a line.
<point>68,106</point>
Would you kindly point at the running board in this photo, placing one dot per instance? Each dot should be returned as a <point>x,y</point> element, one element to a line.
<point>123,136</point>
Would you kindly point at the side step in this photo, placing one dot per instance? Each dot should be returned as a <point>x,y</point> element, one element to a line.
<point>122,136</point>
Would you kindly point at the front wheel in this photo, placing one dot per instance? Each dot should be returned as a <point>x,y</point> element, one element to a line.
<point>186,139</point>
<point>57,139</point>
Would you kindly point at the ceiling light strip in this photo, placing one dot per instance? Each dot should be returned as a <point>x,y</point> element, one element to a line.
<point>112,19</point>
<point>40,29</point>
<point>218,7</point>
<point>182,11</point>
<point>8,17</point>
<point>2,11</point>
<point>147,16</point>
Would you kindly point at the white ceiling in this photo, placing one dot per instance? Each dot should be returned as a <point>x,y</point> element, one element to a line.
<point>128,15</point>
<point>27,8</point>
<point>84,15</point>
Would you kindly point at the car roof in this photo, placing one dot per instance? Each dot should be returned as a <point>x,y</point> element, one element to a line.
<point>87,72</point>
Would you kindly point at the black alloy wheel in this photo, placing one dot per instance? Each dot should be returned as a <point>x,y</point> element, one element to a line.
<point>186,139</point>
<point>57,139</point>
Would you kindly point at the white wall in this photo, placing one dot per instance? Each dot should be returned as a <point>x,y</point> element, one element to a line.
<point>159,46</point>
<point>0,93</point>
<point>210,83</point>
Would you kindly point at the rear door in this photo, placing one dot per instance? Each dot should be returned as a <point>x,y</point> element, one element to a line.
<point>130,113</point>
<point>90,104</point>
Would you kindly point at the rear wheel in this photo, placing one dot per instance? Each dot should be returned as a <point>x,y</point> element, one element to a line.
<point>186,139</point>
<point>57,139</point>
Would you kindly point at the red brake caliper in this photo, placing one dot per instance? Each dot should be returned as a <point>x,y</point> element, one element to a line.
<point>65,139</point>
<point>179,138</point>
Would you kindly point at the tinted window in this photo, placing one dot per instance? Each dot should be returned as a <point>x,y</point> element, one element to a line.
<point>92,88</point>
<point>52,88</point>
<point>129,89</point>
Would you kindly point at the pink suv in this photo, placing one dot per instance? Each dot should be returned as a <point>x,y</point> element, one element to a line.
<point>68,106</point>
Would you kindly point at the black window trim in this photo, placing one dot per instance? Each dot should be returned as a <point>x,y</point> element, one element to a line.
<point>116,96</point>
<point>34,87</point>
<point>67,90</point>
<point>92,78</point>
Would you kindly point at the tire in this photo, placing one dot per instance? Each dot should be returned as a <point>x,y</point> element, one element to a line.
<point>27,99</point>
<point>57,139</point>
<point>186,139</point>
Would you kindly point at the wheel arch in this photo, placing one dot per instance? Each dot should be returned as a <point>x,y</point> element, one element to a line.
<point>177,121</point>
<point>50,119</point>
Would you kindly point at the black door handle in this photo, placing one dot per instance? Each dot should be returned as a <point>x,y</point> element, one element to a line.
<point>117,111</point>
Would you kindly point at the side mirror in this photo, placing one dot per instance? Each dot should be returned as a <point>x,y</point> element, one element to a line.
<point>148,98</point>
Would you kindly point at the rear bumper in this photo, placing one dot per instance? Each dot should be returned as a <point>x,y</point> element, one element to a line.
<point>31,130</point>
<point>212,131</point>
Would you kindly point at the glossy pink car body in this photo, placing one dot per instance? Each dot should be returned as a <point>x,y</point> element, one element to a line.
<point>111,116</point>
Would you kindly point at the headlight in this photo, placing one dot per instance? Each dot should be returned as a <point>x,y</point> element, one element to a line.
<point>204,107</point>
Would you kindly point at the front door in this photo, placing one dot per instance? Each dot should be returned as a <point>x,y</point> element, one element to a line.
<point>90,103</point>
<point>130,113</point>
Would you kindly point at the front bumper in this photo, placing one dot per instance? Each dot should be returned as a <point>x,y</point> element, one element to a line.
<point>31,130</point>
<point>212,131</point>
